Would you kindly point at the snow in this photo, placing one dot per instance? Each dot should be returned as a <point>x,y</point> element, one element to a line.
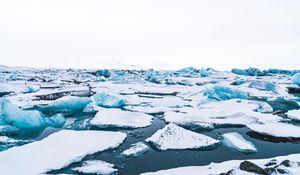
<point>223,167</point>
<point>119,118</point>
<point>136,149</point>
<point>96,167</point>
<point>277,129</point>
<point>294,114</point>
<point>31,89</point>
<point>57,151</point>
<point>66,103</point>
<point>109,100</point>
<point>5,139</point>
<point>175,137</point>
<point>238,142</point>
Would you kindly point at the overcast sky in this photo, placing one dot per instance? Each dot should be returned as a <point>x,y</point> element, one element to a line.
<point>221,34</point>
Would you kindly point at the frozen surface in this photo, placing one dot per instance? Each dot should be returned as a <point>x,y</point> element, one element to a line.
<point>123,119</point>
<point>296,79</point>
<point>175,137</point>
<point>224,167</point>
<point>277,129</point>
<point>58,150</point>
<point>238,142</point>
<point>294,114</point>
<point>109,100</point>
<point>96,167</point>
<point>136,149</point>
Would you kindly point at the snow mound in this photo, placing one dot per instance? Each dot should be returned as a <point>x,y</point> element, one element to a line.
<point>175,137</point>
<point>294,114</point>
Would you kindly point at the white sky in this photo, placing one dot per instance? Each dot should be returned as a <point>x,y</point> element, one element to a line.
<point>221,34</point>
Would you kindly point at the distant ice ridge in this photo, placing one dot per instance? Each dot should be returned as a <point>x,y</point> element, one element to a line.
<point>98,167</point>
<point>296,79</point>
<point>237,141</point>
<point>58,150</point>
<point>175,137</point>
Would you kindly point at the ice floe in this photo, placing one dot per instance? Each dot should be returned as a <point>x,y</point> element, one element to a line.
<point>98,167</point>
<point>119,118</point>
<point>277,129</point>
<point>136,149</point>
<point>58,150</point>
<point>175,137</point>
<point>294,114</point>
<point>238,142</point>
<point>109,101</point>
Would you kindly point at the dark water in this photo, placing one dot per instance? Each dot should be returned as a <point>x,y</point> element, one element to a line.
<point>154,160</point>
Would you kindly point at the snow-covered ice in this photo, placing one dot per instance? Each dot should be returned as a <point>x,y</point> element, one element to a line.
<point>277,129</point>
<point>57,151</point>
<point>96,167</point>
<point>109,100</point>
<point>119,118</point>
<point>136,149</point>
<point>238,142</point>
<point>175,137</point>
<point>294,114</point>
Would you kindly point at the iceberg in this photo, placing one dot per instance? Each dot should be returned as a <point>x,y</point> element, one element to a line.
<point>96,167</point>
<point>175,137</point>
<point>296,79</point>
<point>136,149</point>
<point>103,72</point>
<point>237,141</point>
<point>27,119</point>
<point>224,93</point>
<point>294,114</point>
<point>277,129</point>
<point>121,119</point>
<point>109,101</point>
<point>31,89</point>
<point>58,150</point>
<point>66,103</point>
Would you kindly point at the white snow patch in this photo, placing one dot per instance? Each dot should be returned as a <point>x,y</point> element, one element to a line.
<point>294,114</point>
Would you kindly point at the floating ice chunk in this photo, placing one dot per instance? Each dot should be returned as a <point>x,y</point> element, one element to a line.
<point>277,129</point>
<point>205,72</point>
<point>109,100</point>
<point>229,112</point>
<point>136,149</point>
<point>27,119</point>
<point>59,150</point>
<point>294,114</point>
<point>175,137</point>
<point>237,141</point>
<point>148,109</point>
<point>250,72</point>
<point>66,103</point>
<point>119,118</point>
<point>103,72</point>
<point>96,167</point>
<point>224,93</point>
<point>31,89</point>
<point>296,79</point>
<point>264,86</point>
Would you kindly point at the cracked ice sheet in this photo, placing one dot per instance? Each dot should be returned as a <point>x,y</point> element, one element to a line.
<point>57,151</point>
<point>218,168</point>
<point>230,112</point>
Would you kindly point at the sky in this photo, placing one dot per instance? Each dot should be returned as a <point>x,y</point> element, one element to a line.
<point>161,34</point>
